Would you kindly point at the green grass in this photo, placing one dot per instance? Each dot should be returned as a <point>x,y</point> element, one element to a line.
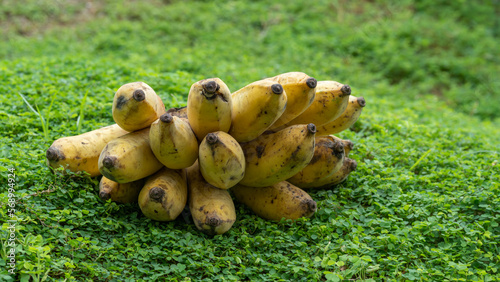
<point>423,204</point>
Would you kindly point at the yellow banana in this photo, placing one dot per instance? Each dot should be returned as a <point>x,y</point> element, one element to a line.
<point>328,158</point>
<point>173,142</point>
<point>346,119</point>
<point>281,200</point>
<point>255,108</point>
<point>128,158</point>
<point>275,157</point>
<point>164,195</point>
<point>300,90</point>
<point>337,177</point>
<point>81,152</point>
<point>329,103</point>
<point>122,193</point>
<point>136,106</point>
<point>209,107</point>
<point>221,160</point>
<point>212,208</point>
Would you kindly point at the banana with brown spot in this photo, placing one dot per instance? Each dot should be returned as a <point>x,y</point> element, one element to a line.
<point>337,177</point>
<point>300,91</point>
<point>173,142</point>
<point>164,195</point>
<point>346,119</point>
<point>221,160</point>
<point>129,158</point>
<point>329,103</point>
<point>136,106</point>
<point>209,107</point>
<point>328,158</point>
<point>120,192</point>
<point>275,157</point>
<point>212,208</point>
<point>281,200</point>
<point>80,153</point>
<point>255,108</point>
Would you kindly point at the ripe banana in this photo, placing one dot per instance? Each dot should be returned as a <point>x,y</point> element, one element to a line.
<point>136,106</point>
<point>221,160</point>
<point>275,157</point>
<point>346,119</point>
<point>300,90</point>
<point>255,108</point>
<point>164,195</point>
<point>173,142</point>
<point>81,152</point>
<point>212,209</point>
<point>209,107</point>
<point>122,193</point>
<point>337,177</point>
<point>281,200</point>
<point>329,103</point>
<point>128,158</point>
<point>328,158</point>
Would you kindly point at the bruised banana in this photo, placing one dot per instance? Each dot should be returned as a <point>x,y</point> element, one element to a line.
<point>164,195</point>
<point>329,103</point>
<point>300,90</point>
<point>255,108</point>
<point>136,106</point>
<point>128,158</point>
<point>221,160</point>
<point>281,200</point>
<point>337,177</point>
<point>346,119</point>
<point>209,107</point>
<point>173,142</point>
<point>119,192</point>
<point>275,157</point>
<point>328,158</point>
<point>212,208</point>
<point>81,152</point>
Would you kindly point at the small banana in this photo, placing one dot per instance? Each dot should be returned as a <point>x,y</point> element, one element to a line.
<point>221,160</point>
<point>255,108</point>
<point>128,158</point>
<point>209,107</point>
<point>337,177</point>
<point>136,106</point>
<point>81,152</point>
<point>328,158</point>
<point>173,142</point>
<point>281,200</point>
<point>346,119</point>
<point>212,208</point>
<point>300,90</point>
<point>329,103</point>
<point>164,195</point>
<point>121,193</point>
<point>275,157</point>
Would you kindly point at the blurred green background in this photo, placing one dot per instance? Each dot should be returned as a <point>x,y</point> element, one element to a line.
<point>422,205</point>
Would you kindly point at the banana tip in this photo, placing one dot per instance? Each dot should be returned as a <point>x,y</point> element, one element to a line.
<point>210,88</point>
<point>167,118</point>
<point>139,95</point>
<point>109,162</point>
<point>312,206</point>
<point>104,195</point>
<point>213,221</point>
<point>312,82</point>
<point>53,155</point>
<point>352,164</point>
<point>277,88</point>
<point>311,128</point>
<point>156,194</point>
<point>346,89</point>
<point>212,138</point>
<point>361,101</point>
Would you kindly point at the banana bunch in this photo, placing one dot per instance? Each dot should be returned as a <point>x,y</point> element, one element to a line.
<point>263,145</point>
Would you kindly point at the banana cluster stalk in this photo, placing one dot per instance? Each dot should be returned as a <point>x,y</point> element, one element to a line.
<point>266,144</point>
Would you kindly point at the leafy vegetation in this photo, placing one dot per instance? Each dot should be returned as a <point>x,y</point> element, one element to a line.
<point>423,204</point>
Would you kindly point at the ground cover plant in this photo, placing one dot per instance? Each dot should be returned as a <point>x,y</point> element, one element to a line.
<point>423,204</point>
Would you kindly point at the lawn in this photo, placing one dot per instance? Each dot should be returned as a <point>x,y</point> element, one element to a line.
<point>423,204</point>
